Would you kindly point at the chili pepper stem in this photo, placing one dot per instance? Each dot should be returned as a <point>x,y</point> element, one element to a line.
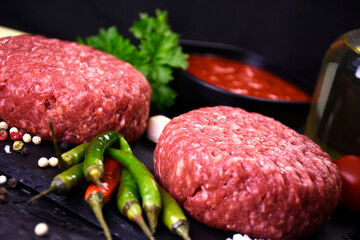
<point>96,202</point>
<point>152,214</point>
<point>47,191</point>
<point>56,146</point>
<point>133,215</point>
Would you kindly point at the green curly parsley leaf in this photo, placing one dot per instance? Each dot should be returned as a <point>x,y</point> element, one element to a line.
<point>156,55</point>
<point>111,42</point>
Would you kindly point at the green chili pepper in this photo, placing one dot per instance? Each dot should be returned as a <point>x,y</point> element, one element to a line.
<point>128,195</point>
<point>128,201</point>
<point>64,181</point>
<point>124,145</point>
<point>148,188</point>
<point>173,216</point>
<point>94,155</point>
<point>74,156</point>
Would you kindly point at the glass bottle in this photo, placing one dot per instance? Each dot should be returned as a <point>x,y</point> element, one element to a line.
<point>334,117</point>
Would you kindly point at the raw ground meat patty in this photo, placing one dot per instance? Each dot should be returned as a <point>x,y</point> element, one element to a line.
<point>247,173</point>
<point>82,90</point>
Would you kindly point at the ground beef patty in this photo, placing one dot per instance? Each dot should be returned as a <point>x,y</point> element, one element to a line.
<point>248,173</point>
<point>84,91</point>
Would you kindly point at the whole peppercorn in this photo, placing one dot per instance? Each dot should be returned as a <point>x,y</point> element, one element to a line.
<point>41,229</point>
<point>43,162</point>
<point>2,198</point>
<point>36,140</point>
<point>24,151</point>
<point>53,161</point>
<point>3,179</point>
<point>3,191</point>
<point>15,136</point>
<point>3,125</point>
<point>3,135</point>
<point>64,145</point>
<point>26,138</point>
<point>17,146</point>
<point>13,129</point>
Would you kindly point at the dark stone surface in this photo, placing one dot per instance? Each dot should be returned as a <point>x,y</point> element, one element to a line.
<point>68,216</point>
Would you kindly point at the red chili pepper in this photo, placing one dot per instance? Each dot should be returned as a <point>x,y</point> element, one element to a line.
<point>3,135</point>
<point>97,196</point>
<point>15,136</point>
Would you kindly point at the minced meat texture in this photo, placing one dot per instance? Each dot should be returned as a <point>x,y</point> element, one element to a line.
<point>82,90</point>
<point>247,173</point>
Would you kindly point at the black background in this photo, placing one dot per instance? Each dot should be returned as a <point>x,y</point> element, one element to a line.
<point>295,34</point>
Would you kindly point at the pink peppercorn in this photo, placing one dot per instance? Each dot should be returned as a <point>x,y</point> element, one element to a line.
<point>15,136</point>
<point>3,135</point>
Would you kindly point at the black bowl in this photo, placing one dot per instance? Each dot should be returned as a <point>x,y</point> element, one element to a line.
<point>194,93</point>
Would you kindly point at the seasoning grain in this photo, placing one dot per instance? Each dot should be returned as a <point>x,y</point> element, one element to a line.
<point>3,125</point>
<point>3,179</point>
<point>41,229</point>
<point>36,140</point>
<point>26,138</point>
<point>43,162</point>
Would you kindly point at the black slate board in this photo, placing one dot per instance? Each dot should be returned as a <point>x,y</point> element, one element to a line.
<point>70,218</point>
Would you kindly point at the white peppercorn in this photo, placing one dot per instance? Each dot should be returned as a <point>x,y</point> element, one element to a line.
<point>41,229</point>
<point>3,125</point>
<point>27,138</point>
<point>43,162</point>
<point>53,161</point>
<point>13,129</point>
<point>3,179</point>
<point>36,140</point>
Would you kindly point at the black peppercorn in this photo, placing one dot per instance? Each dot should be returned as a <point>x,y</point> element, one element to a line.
<point>2,198</point>
<point>24,151</point>
<point>3,191</point>
<point>64,145</point>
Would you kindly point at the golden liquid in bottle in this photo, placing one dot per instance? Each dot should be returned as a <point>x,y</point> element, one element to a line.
<point>334,116</point>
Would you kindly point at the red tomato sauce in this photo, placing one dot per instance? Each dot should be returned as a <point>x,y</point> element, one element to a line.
<point>242,78</point>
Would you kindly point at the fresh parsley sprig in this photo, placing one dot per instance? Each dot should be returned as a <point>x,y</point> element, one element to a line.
<point>157,53</point>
